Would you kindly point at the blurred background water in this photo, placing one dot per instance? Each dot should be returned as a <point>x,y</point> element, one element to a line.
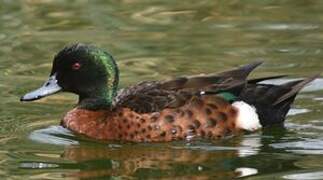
<point>159,39</point>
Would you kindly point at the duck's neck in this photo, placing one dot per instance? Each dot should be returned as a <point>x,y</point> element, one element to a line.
<point>96,101</point>
<point>100,98</point>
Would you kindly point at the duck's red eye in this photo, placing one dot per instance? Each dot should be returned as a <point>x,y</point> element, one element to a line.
<point>76,66</point>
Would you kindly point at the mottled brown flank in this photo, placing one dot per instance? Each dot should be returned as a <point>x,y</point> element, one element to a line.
<point>232,112</point>
<point>212,106</point>
<point>142,120</point>
<point>208,111</point>
<point>222,116</point>
<point>169,118</point>
<point>150,128</point>
<point>211,122</point>
<point>163,134</point>
<point>125,120</point>
<point>154,116</point>
<point>189,113</point>
<point>207,117</point>
<point>209,134</point>
<point>131,115</point>
<point>190,128</point>
<point>202,133</point>
<point>196,123</point>
<point>181,113</point>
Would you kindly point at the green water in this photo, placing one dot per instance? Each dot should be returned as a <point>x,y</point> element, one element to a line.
<point>158,39</point>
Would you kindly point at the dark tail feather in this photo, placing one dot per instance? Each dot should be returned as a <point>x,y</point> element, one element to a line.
<point>212,81</point>
<point>295,87</point>
<point>273,101</point>
<point>241,72</point>
<point>233,81</point>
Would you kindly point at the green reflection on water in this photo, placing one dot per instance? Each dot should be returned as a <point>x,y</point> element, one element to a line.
<point>157,40</point>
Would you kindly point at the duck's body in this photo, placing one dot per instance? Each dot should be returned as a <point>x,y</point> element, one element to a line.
<point>206,106</point>
<point>206,117</point>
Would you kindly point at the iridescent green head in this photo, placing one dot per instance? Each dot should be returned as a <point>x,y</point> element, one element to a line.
<point>85,70</point>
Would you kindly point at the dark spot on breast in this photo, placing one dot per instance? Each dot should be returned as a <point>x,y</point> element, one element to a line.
<point>128,126</point>
<point>138,125</point>
<point>125,120</point>
<point>190,129</point>
<point>210,122</point>
<point>222,116</point>
<point>120,136</point>
<point>142,120</point>
<point>212,106</point>
<point>119,126</point>
<point>143,130</point>
<point>148,136</point>
<point>196,123</point>
<point>208,111</point>
<point>132,136</point>
<point>135,132</point>
<point>120,114</point>
<point>131,115</point>
<point>163,134</point>
<point>150,128</point>
<point>202,132</point>
<point>189,113</point>
<point>169,118</point>
<point>126,134</point>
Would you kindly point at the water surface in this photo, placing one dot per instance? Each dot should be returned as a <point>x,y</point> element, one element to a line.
<point>158,40</point>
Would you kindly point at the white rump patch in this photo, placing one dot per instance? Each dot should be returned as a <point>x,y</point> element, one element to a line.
<point>247,118</point>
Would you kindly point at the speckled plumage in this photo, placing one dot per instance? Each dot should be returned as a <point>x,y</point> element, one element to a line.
<point>206,117</point>
<point>205,106</point>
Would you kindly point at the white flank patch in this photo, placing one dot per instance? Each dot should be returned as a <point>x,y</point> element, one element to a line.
<point>247,116</point>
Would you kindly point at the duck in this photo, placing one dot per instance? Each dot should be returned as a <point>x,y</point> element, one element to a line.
<point>207,106</point>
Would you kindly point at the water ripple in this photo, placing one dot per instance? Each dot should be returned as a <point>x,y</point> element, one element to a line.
<point>53,135</point>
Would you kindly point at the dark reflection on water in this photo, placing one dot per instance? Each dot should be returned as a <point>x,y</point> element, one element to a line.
<point>67,155</point>
<point>157,40</point>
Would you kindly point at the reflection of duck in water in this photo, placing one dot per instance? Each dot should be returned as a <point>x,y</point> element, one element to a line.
<point>220,159</point>
<point>207,106</point>
<point>150,162</point>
